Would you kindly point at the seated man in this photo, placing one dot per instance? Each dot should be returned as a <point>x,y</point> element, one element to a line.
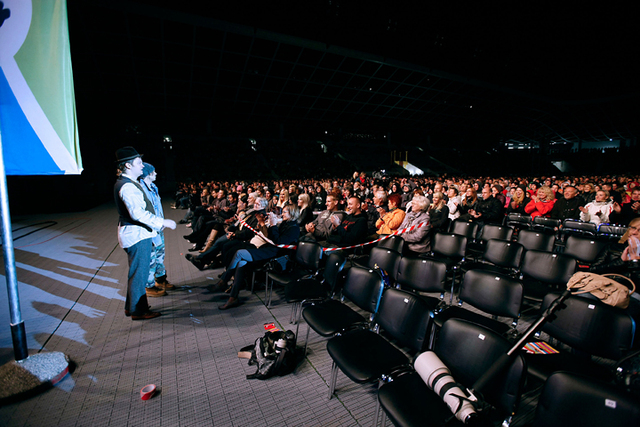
<point>568,206</point>
<point>488,210</point>
<point>352,229</point>
<point>320,228</point>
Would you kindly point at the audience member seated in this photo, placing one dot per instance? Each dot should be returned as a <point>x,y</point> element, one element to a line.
<point>283,200</point>
<point>496,192</point>
<point>390,221</point>
<point>306,211</point>
<point>352,229</point>
<point>599,210</point>
<point>237,232</point>
<point>588,193</point>
<point>321,228</point>
<point>438,214</point>
<point>488,209</point>
<point>568,206</point>
<point>469,202</point>
<point>453,203</point>
<point>419,239</point>
<point>284,233</point>
<point>542,203</point>
<point>623,214</point>
<point>519,201</point>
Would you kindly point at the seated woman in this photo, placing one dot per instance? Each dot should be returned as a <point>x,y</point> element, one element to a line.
<point>438,214</point>
<point>284,233</point>
<point>599,210</point>
<point>542,203</point>
<point>469,203</point>
<point>519,200</point>
<point>306,211</point>
<point>283,201</point>
<point>496,192</point>
<point>419,239</point>
<point>391,221</point>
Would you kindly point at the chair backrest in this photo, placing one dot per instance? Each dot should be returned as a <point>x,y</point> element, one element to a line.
<point>491,231</point>
<point>536,240</point>
<point>308,255</point>
<point>547,267</point>
<point>583,248</point>
<point>575,226</point>
<point>386,259</point>
<point>333,268</point>
<point>449,245</point>
<point>544,223</point>
<point>503,253</point>
<point>518,220</point>
<point>591,326</point>
<point>611,231</point>
<point>363,287</point>
<point>395,243</point>
<point>469,350</point>
<point>422,275</point>
<point>574,400</point>
<point>495,294</point>
<point>464,228</point>
<point>405,317</point>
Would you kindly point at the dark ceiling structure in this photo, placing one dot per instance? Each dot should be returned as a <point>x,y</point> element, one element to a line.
<point>463,74</point>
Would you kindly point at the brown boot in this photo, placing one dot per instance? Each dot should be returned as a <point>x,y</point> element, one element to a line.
<point>155,292</point>
<point>210,241</point>
<point>163,283</point>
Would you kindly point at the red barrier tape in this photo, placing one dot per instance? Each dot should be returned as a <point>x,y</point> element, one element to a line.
<point>395,233</point>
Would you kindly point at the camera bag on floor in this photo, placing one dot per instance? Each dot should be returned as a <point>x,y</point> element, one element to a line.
<point>274,353</point>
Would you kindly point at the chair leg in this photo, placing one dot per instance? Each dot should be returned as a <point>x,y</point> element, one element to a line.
<point>292,315</point>
<point>376,413</point>
<point>306,340</point>
<point>334,378</point>
<point>267,294</point>
<point>253,280</point>
<point>453,283</point>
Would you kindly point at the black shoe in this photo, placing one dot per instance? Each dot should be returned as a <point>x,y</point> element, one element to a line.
<point>233,302</point>
<point>187,237</point>
<point>219,286</point>
<point>195,248</point>
<point>199,264</point>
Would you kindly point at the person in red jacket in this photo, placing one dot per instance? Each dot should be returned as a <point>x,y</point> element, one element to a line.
<point>542,203</point>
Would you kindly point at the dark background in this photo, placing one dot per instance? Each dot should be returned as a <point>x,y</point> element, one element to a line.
<point>447,83</point>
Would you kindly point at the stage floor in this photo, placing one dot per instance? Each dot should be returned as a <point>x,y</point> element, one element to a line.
<point>72,280</point>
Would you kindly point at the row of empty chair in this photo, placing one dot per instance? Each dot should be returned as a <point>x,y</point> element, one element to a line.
<point>381,347</point>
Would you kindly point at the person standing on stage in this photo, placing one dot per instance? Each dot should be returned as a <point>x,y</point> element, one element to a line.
<point>137,225</point>
<point>157,283</point>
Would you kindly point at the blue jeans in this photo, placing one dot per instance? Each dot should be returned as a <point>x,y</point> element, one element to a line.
<point>156,267</point>
<point>241,258</point>
<point>139,264</point>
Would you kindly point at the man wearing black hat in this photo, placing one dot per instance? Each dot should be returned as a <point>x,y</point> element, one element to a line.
<point>137,225</point>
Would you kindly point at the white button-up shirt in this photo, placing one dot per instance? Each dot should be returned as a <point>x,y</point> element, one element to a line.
<point>133,198</point>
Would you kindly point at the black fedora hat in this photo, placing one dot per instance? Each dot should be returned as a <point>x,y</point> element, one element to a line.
<point>126,153</point>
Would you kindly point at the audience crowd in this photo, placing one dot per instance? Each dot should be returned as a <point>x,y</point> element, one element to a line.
<point>345,212</point>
